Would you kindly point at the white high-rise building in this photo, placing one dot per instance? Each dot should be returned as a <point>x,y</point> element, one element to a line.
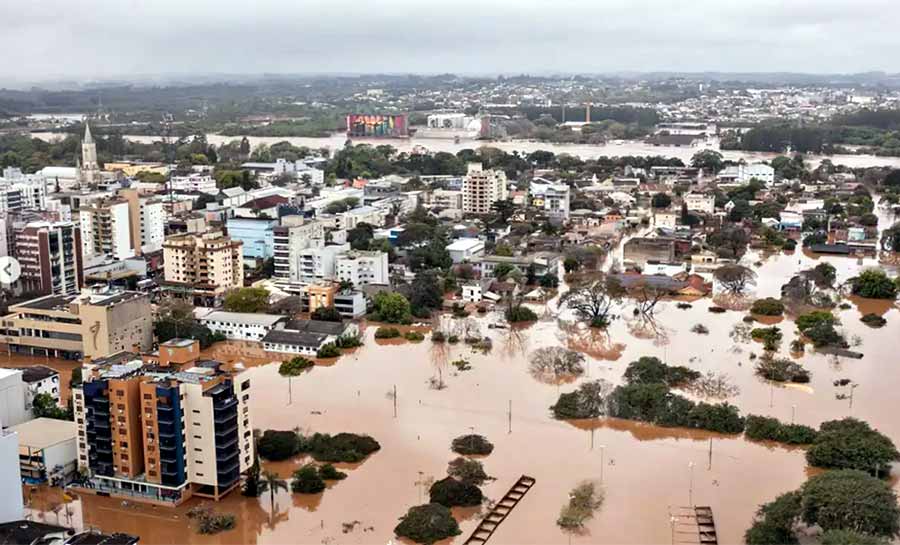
<point>553,198</point>
<point>362,268</point>
<point>106,229</point>
<point>482,188</point>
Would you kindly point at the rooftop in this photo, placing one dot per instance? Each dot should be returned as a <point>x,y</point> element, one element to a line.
<point>37,373</point>
<point>242,317</point>
<point>41,433</point>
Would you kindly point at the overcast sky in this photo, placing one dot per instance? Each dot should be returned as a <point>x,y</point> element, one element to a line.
<point>45,39</point>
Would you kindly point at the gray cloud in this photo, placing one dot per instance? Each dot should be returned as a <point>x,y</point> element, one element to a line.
<point>89,38</point>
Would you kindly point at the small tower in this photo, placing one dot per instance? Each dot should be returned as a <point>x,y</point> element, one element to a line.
<point>90,170</point>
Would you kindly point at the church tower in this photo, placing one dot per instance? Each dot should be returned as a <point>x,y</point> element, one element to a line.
<point>90,170</point>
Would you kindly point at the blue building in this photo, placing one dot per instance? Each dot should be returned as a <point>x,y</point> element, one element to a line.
<point>256,234</point>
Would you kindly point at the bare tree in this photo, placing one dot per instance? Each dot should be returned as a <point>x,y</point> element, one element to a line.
<point>594,301</point>
<point>555,364</point>
<point>735,278</point>
<point>647,296</point>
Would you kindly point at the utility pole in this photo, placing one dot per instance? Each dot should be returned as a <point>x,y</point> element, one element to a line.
<point>710,453</point>
<point>510,417</point>
<point>395,401</point>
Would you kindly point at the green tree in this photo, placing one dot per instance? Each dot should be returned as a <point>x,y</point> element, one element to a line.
<point>251,300</point>
<point>851,500</point>
<point>874,284</point>
<point>327,314</point>
<point>852,444</point>
<point>307,480</point>
<point>708,160</point>
<point>44,406</point>
<point>391,307</point>
<point>427,524</point>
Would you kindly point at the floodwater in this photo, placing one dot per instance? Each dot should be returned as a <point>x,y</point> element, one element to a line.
<point>585,151</point>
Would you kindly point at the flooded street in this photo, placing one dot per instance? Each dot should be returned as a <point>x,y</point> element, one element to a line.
<point>644,469</point>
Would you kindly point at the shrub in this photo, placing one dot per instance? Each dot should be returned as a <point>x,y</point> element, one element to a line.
<point>385,332</point>
<point>343,447</point>
<point>775,521</point>
<point>852,444</point>
<point>770,336</point>
<point>414,336</point>
<point>700,329</point>
<point>427,524</point>
<point>588,401</point>
<point>717,310</point>
<point>874,284</point>
<point>812,319</point>
<point>329,473</point>
<point>873,320</point>
<point>782,370</point>
<point>326,314</point>
<point>850,500</point>
<point>763,428</point>
<point>348,341</point>
<point>472,444</point>
<point>453,339</point>
<point>277,445</point>
<point>554,363</point>
<point>438,336</point>
<point>295,366</point>
<point>467,471</point>
<point>720,417</point>
<point>452,493</point>
<point>584,499</point>
<point>767,307</point>
<point>215,523</point>
<point>520,313</point>
<point>328,350</point>
<point>648,370</point>
<point>307,480</point>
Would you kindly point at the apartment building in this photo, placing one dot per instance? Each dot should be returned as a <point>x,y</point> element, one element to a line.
<point>319,263</point>
<point>202,183</point>
<point>163,429</point>
<point>482,188</point>
<point>289,239</point>
<point>106,229</point>
<point>96,323</point>
<point>147,219</point>
<point>700,202</point>
<point>203,266</point>
<point>550,197</point>
<point>362,268</point>
<point>445,199</point>
<point>50,256</point>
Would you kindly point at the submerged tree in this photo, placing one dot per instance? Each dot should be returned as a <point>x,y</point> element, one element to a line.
<point>735,278</point>
<point>595,301</point>
<point>555,364</point>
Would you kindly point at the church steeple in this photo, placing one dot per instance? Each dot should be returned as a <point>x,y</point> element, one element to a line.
<point>90,169</point>
<point>88,139</point>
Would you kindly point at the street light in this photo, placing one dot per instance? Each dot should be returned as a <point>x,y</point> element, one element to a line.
<point>793,413</point>
<point>691,488</point>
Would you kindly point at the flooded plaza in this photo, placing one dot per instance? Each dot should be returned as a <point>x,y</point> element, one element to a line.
<point>646,471</point>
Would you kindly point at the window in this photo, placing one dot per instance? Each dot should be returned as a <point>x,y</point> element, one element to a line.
<point>123,444</point>
<point>148,396</point>
<point>120,406</point>
<point>198,450</point>
<point>124,456</point>
<point>245,385</point>
<point>199,461</point>
<point>120,393</point>
<point>196,411</point>
<point>197,437</point>
<point>199,474</point>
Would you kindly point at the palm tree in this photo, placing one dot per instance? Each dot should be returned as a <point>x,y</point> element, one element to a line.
<point>272,483</point>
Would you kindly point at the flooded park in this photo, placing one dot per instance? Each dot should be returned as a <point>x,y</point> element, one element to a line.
<point>646,472</point>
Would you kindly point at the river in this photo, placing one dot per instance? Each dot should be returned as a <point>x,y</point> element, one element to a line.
<point>585,151</point>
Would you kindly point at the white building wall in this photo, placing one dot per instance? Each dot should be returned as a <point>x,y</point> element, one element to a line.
<point>12,507</point>
<point>153,219</point>
<point>242,390</point>
<point>121,231</point>
<point>199,434</point>
<point>12,398</point>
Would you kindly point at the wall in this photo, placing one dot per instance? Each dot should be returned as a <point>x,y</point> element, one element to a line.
<point>12,399</point>
<point>11,508</point>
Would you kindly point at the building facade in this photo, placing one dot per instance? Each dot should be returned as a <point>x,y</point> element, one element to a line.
<point>482,188</point>
<point>163,431</point>
<point>203,266</point>
<point>362,268</point>
<point>50,254</point>
<point>106,229</point>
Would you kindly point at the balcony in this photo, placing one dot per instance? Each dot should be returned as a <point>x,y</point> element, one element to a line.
<point>221,406</point>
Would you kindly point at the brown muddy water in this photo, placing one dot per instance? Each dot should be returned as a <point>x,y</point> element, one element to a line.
<point>645,470</point>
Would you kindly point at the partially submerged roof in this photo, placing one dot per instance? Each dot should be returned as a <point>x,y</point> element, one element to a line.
<point>41,433</point>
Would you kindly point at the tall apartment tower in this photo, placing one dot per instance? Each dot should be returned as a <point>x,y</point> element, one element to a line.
<point>482,188</point>
<point>106,229</point>
<point>50,256</point>
<point>163,430</point>
<point>90,168</point>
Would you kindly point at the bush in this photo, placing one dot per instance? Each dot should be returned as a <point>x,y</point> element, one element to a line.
<point>453,339</point>
<point>414,336</point>
<point>326,314</point>
<point>850,500</point>
<point>215,523</point>
<point>812,319</point>
<point>427,524</point>
<point>775,521</point>
<point>874,284</point>
<point>782,370</point>
<point>873,320</point>
<point>767,307</point>
<point>472,444</point>
<point>295,366</point>
<point>770,336</point>
<point>307,480</point>
<point>818,326</point>
<point>588,401</point>
<point>720,417</point>
<point>520,313</point>
<point>852,444</point>
<point>763,428</point>
<point>648,370</point>
<point>277,445</point>
<point>384,332</point>
<point>452,493</point>
<point>438,336</point>
<point>467,471</point>
<point>700,329</point>
<point>584,499</point>
<point>329,473</point>
<point>328,350</point>
<point>343,447</point>
<point>348,341</point>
